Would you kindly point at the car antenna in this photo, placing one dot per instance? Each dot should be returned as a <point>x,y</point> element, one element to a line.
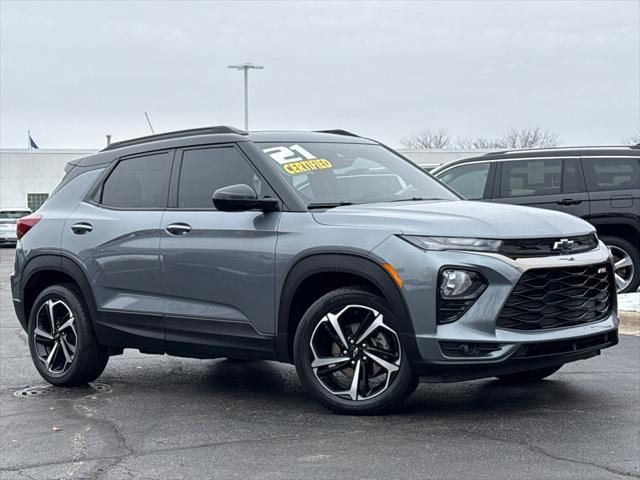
<point>149,122</point>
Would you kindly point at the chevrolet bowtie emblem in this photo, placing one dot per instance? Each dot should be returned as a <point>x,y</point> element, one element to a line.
<point>564,245</point>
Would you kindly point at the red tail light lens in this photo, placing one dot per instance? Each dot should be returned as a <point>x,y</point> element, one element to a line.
<point>24,224</point>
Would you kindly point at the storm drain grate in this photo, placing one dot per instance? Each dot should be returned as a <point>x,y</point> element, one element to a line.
<point>62,392</point>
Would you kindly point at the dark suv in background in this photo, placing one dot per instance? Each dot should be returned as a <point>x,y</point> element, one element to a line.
<point>598,184</point>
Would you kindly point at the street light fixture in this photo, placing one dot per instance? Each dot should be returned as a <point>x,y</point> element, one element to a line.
<point>245,67</point>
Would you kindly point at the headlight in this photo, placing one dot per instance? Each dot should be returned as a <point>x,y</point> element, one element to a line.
<point>454,243</point>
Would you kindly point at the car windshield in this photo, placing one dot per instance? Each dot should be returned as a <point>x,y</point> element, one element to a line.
<point>13,213</point>
<point>333,174</point>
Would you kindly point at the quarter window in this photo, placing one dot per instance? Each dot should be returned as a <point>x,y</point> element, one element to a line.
<point>207,169</point>
<point>468,180</point>
<point>138,182</point>
<point>523,178</point>
<point>612,173</point>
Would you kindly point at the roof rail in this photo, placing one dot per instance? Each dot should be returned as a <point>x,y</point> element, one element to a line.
<point>339,131</point>
<point>177,134</point>
<point>577,147</point>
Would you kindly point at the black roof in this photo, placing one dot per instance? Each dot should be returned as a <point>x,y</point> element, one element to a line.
<point>621,150</point>
<point>212,135</point>
<point>176,134</point>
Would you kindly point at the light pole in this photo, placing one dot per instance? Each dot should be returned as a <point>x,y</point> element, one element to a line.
<point>245,67</point>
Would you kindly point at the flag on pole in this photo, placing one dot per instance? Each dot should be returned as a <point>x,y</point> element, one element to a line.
<point>32,144</point>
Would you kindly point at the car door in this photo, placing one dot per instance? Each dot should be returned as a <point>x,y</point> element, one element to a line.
<point>116,238</point>
<point>471,180</point>
<point>552,183</point>
<point>217,267</point>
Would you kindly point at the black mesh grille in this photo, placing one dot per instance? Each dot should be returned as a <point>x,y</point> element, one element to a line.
<point>558,297</point>
<point>544,247</point>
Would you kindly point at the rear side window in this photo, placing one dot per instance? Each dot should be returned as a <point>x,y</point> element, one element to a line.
<point>612,173</point>
<point>522,178</point>
<point>207,169</point>
<point>138,182</point>
<point>468,180</point>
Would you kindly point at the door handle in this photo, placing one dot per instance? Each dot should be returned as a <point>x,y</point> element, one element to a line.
<point>178,228</point>
<point>569,201</point>
<point>81,228</point>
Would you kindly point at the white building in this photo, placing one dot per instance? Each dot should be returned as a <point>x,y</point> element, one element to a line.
<point>28,176</point>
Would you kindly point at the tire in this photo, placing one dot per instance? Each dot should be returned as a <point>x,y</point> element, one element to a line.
<point>379,388</point>
<point>621,248</point>
<point>64,367</point>
<point>529,375</point>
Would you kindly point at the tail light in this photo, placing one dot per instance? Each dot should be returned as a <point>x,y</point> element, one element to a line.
<point>24,224</point>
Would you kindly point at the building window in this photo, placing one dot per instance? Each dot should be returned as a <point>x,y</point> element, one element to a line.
<point>35,200</point>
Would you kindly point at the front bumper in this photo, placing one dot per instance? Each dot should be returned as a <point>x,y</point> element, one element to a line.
<point>477,327</point>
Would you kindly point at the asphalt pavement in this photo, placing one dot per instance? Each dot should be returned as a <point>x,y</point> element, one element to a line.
<point>158,417</point>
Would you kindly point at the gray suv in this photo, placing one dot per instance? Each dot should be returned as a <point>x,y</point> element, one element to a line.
<point>322,249</point>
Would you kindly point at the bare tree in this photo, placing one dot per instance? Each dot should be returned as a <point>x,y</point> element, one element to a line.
<point>534,137</point>
<point>427,139</point>
<point>633,139</point>
<point>477,142</point>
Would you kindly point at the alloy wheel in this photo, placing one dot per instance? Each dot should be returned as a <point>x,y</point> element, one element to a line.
<point>622,267</point>
<point>355,354</point>
<point>55,337</point>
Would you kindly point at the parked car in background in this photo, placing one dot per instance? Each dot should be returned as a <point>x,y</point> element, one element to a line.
<point>8,218</point>
<point>598,184</point>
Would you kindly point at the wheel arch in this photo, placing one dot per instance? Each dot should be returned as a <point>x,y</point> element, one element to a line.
<point>622,227</point>
<point>48,269</point>
<point>349,269</point>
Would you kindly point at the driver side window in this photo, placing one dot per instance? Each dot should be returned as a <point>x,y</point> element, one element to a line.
<point>468,180</point>
<point>205,170</point>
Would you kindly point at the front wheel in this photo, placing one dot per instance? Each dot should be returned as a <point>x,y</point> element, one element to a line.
<point>63,345</point>
<point>349,355</point>
<point>529,375</point>
<point>626,263</point>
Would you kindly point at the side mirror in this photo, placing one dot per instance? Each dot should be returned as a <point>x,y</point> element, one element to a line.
<point>240,198</point>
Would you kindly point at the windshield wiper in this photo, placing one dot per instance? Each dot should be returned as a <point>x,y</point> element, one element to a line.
<point>312,206</point>
<point>415,199</point>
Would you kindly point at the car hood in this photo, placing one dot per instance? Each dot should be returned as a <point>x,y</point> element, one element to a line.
<point>457,218</point>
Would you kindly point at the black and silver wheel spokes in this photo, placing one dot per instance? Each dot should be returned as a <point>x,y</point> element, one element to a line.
<point>55,336</point>
<point>355,354</point>
<point>622,267</point>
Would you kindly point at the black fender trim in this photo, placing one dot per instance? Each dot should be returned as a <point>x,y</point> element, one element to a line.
<point>627,220</point>
<point>58,263</point>
<point>352,264</point>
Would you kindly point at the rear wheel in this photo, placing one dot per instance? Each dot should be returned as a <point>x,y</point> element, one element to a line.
<point>529,375</point>
<point>626,259</point>
<point>349,355</point>
<point>63,345</point>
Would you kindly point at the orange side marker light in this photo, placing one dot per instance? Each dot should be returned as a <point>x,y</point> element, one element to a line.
<point>394,274</point>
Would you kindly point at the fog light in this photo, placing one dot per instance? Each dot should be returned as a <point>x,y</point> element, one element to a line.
<point>459,283</point>
<point>459,289</point>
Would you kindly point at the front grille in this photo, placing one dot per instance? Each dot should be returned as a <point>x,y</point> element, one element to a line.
<point>544,247</point>
<point>575,345</point>
<point>558,297</point>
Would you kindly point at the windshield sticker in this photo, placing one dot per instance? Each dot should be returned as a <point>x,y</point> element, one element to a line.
<point>295,159</point>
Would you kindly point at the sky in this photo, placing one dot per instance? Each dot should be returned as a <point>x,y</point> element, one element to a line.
<point>72,72</point>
